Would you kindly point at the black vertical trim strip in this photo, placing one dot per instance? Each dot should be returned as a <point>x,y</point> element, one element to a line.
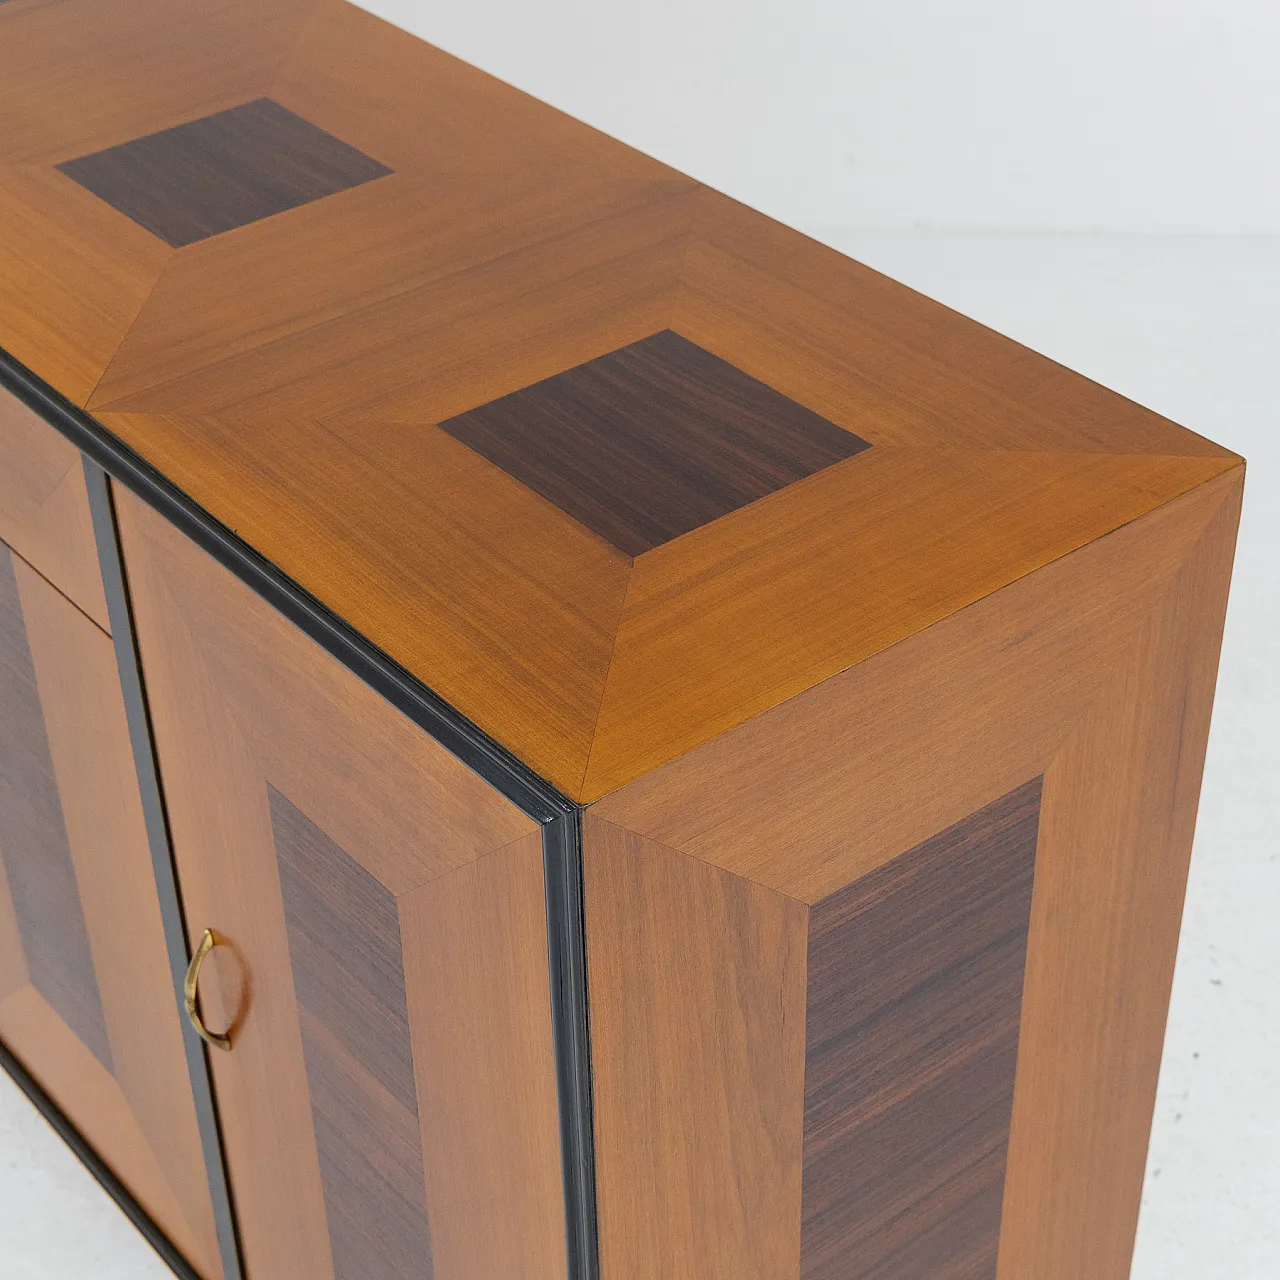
<point>567,960</point>
<point>96,1166</point>
<point>559,816</point>
<point>129,663</point>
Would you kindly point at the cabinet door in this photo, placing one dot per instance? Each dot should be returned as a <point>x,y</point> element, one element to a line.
<point>388,1102</point>
<point>86,994</point>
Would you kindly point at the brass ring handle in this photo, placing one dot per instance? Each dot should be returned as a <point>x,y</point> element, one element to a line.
<point>207,944</point>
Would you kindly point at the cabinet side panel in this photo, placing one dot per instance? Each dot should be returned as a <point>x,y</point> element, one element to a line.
<point>1095,673</point>
<point>915,988</point>
<point>1118,816</point>
<point>697,997</point>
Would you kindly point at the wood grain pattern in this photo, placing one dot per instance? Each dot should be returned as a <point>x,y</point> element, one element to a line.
<point>1096,672</point>
<point>1118,817</point>
<point>911,1045</point>
<point>226,865</point>
<point>834,570</point>
<point>344,942</point>
<point>418,787</point>
<point>33,839</point>
<point>138,1108</point>
<point>13,964</point>
<point>915,372</point>
<point>564,586</point>
<point>282,278</point>
<point>971,711</point>
<point>427,353</point>
<point>477,980</point>
<point>651,441</point>
<point>245,706</point>
<point>362,79</point>
<point>73,278</point>
<point>44,509</point>
<point>348,976</point>
<point>697,987</point>
<point>513,244</point>
<point>79,76</point>
<point>237,166</point>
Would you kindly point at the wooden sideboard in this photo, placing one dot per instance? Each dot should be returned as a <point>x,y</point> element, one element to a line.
<point>554,728</point>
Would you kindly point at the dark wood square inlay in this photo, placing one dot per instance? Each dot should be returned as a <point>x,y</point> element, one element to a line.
<point>208,176</point>
<point>653,440</point>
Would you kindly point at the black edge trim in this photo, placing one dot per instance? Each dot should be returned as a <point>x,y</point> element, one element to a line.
<point>156,815</point>
<point>94,1163</point>
<point>559,816</point>
<point>567,959</point>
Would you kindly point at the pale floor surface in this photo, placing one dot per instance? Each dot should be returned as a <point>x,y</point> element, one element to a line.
<point>1191,327</point>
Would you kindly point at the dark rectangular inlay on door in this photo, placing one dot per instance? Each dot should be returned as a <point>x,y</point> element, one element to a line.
<point>348,974</point>
<point>652,440</point>
<point>212,175</point>
<point>33,840</point>
<point>915,996</point>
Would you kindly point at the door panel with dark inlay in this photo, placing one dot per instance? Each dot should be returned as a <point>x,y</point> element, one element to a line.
<point>348,976</point>
<point>389,1101</point>
<point>86,995</point>
<point>33,840</point>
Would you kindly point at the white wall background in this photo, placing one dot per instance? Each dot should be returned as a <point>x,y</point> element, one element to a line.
<point>1094,115</point>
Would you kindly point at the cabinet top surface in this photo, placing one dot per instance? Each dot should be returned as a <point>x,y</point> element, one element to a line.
<point>610,461</point>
